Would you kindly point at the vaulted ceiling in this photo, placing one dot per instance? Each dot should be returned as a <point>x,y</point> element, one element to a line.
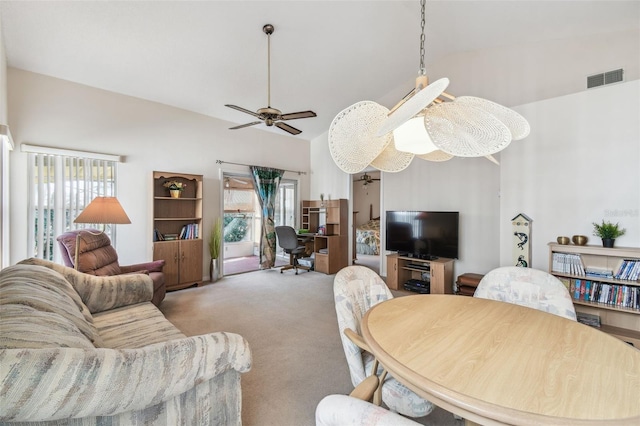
<point>325,55</point>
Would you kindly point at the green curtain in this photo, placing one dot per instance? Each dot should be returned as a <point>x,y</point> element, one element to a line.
<point>267,181</point>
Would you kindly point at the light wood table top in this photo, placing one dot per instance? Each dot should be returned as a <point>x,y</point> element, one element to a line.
<point>499,363</point>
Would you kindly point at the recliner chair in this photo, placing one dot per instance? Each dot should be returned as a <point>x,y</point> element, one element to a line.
<point>288,240</point>
<point>96,256</point>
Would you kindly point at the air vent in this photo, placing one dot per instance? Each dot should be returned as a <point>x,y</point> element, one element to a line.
<point>608,77</point>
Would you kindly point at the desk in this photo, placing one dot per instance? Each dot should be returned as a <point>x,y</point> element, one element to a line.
<point>498,363</point>
<point>306,240</point>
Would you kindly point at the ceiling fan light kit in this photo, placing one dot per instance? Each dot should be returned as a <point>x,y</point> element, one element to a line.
<point>269,115</point>
<point>430,124</point>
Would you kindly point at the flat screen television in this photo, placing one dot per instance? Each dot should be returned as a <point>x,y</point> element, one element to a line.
<point>424,235</point>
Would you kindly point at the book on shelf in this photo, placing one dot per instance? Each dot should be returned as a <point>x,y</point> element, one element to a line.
<point>588,319</point>
<point>170,237</point>
<point>190,231</point>
<point>629,270</point>
<point>619,295</point>
<point>567,263</point>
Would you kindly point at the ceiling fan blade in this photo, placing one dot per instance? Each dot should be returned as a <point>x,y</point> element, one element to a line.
<point>245,125</point>
<point>296,115</point>
<point>288,128</point>
<point>246,111</point>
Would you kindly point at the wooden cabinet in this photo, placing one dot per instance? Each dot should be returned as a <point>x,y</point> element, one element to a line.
<point>177,229</point>
<point>330,250</point>
<point>616,317</point>
<point>183,259</point>
<point>439,272</point>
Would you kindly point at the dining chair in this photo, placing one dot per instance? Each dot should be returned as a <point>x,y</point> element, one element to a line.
<point>339,410</point>
<point>288,240</point>
<point>356,289</point>
<point>527,287</point>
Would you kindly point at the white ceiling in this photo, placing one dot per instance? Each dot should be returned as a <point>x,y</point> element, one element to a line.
<point>325,55</point>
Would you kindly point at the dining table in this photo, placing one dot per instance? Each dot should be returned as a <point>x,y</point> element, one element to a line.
<point>498,363</point>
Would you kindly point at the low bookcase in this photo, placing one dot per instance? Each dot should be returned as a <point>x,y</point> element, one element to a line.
<point>590,272</point>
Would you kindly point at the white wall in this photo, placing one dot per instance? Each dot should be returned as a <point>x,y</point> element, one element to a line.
<point>52,112</point>
<point>581,164</point>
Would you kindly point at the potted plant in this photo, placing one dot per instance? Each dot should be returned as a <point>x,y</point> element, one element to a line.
<point>175,187</point>
<point>608,232</point>
<point>215,240</point>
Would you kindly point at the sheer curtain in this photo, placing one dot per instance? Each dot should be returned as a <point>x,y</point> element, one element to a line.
<point>267,181</point>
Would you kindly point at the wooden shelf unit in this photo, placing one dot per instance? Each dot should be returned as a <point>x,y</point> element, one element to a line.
<point>621,322</point>
<point>440,272</point>
<point>333,214</point>
<point>183,257</point>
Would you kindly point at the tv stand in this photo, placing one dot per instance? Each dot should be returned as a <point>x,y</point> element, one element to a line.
<point>401,269</point>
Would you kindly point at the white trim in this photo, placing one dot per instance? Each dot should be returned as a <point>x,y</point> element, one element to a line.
<point>70,153</point>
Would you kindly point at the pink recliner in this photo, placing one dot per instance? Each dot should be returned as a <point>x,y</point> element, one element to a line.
<point>98,257</point>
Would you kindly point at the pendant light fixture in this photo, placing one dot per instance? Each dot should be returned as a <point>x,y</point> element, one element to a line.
<point>428,123</point>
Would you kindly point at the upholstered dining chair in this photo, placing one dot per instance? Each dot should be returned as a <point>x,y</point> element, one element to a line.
<point>96,256</point>
<point>288,240</point>
<point>527,287</point>
<point>340,410</point>
<point>356,289</point>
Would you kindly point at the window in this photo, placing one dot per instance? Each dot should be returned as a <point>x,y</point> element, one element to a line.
<point>63,183</point>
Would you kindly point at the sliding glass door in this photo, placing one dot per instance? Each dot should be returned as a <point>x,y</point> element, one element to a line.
<point>242,220</point>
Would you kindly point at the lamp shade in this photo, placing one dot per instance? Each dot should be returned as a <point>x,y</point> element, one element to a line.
<point>103,210</point>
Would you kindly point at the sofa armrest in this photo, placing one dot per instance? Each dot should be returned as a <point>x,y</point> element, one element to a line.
<point>101,293</point>
<point>106,382</point>
<point>155,266</point>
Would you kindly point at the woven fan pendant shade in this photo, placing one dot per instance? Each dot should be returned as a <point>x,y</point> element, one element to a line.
<point>436,156</point>
<point>413,106</point>
<point>465,130</point>
<point>353,142</point>
<point>391,160</point>
<point>517,125</point>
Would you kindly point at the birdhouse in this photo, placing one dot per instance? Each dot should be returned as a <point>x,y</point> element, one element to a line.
<point>521,240</point>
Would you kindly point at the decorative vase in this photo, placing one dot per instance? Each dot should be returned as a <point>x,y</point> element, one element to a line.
<point>608,242</point>
<point>175,193</point>
<point>213,270</point>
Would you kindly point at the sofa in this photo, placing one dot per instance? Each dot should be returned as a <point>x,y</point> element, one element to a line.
<point>96,256</point>
<point>79,349</point>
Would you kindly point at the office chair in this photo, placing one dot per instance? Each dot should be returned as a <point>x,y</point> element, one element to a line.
<point>288,240</point>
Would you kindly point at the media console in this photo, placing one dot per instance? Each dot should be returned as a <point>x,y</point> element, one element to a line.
<point>433,276</point>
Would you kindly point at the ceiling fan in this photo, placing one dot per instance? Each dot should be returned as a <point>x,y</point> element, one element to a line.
<point>367,179</point>
<point>272,116</point>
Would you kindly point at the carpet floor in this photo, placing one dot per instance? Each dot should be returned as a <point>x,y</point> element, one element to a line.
<point>290,323</point>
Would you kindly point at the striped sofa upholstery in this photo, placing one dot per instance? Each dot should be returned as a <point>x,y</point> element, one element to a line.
<point>78,349</point>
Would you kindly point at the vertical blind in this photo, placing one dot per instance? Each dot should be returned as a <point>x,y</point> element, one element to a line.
<point>62,186</point>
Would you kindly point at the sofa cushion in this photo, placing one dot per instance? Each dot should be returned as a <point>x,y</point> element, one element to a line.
<point>135,326</point>
<point>25,327</point>
<point>45,290</point>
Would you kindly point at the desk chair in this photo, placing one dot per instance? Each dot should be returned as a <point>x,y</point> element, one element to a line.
<point>356,289</point>
<point>288,240</point>
<point>527,287</point>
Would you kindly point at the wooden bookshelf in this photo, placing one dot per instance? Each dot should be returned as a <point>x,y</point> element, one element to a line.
<point>617,318</point>
<point>183,257</point>
<point>331,250</point>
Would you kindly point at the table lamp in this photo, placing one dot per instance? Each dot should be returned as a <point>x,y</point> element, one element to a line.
<point>101,210</point>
